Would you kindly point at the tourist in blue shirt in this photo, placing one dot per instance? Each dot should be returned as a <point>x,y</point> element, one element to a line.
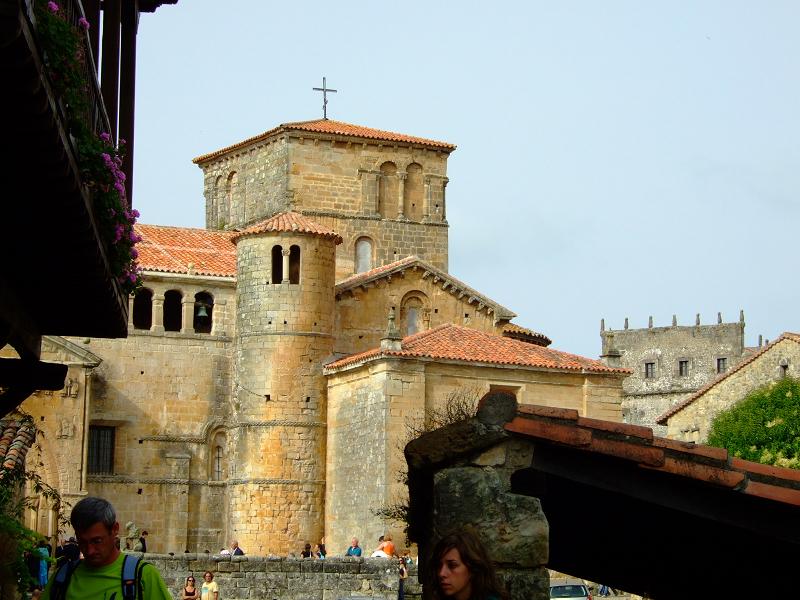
<point>353,550</point>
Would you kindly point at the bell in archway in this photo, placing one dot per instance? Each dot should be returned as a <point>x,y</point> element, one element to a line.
<point>202,311</point>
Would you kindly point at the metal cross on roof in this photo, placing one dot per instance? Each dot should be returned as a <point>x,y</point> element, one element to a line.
<point>324,89</point>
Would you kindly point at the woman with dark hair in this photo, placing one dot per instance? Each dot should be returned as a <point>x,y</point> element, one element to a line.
<point>460,569</point>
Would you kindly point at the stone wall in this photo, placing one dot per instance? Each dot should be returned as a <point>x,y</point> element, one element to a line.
<point>275,578</point>
<point>664,347</point>
<point>370,407</point>
<point>342,184</point>
<point>361,313</point>
<point>693,422</point>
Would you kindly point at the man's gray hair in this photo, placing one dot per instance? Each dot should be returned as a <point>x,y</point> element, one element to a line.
<point>92,510</point>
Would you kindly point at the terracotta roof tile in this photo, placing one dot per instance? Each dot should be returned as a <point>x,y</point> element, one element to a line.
<point>290,222</point>
<point>447,282</point>
<point>683,459</point>
<point>17,435</point>
<point>453,342</point>
<point>662,420</point>
<point>183,249</point>
<point>524,334</point>
<point>330,127</point>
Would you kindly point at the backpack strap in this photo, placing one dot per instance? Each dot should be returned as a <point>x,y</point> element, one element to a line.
<point>131,572</point>
<point>61,580</point>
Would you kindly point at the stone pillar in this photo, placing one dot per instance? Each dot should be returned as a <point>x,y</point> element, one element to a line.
<point>426,200</point>
<point>187,314</point>
<point>130,313</point>
<point>157,325</point>
<point>445,181</point>
<point>285,253</point>
<point>218,323</point>
<point>176,503</point>
<point>401,185</point>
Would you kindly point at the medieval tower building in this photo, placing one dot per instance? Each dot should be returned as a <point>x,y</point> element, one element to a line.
<point>259,395</point>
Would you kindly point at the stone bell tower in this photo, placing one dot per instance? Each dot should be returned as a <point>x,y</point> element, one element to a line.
<point>285,318</point>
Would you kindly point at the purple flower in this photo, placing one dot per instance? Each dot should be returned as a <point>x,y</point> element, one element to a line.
<point>105,137</point>
<point>132,277</point>
<point>52,6</point>
<point>135,213</point>
<point>83,24</point>
<point>119,187</point>
<point>134,253</point>
<point>106,158</point>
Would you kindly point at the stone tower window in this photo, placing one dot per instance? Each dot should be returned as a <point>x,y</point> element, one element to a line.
<point>363,254</point>
<point>388,191</point>
<point>217,463</point>
<point>413,313</point>
<point>173,319</point>
<point>277,264</point>
<point>143,309</point>
<point>221,196</point>
<point>649,370</point>
<point>722,365</point>
<point>294,264</point>
<point>203,312</point>
<point>683,368</point>
<point>231,186</point>
<point>101,450</point>
<point>412,192</point>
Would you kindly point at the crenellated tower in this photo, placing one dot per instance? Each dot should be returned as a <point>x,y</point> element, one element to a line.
<point>285,318</point>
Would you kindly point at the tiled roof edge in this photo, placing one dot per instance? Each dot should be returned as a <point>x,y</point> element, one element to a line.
<point>359,279</point>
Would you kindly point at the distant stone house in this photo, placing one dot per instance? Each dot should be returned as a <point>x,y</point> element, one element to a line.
<point>691,419</point>
<point>669,364</point>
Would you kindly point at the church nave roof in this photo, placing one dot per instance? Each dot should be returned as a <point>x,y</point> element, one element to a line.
<point>186,250</point>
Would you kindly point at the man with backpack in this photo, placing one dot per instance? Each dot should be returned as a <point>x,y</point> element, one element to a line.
<point>104,572</point>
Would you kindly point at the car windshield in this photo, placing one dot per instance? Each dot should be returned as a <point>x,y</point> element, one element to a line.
<point>567,591</point>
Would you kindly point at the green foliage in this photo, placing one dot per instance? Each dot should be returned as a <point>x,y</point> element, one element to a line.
<point>16,540</point>
<point>764,427</point>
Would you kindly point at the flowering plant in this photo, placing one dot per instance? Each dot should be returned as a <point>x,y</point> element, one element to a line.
<point>100,161</point>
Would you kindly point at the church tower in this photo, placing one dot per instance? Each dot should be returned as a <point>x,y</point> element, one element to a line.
<point>285,320</point>
<point>383,192</point>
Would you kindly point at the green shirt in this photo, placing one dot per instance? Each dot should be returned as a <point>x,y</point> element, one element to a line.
<point>105,583</point>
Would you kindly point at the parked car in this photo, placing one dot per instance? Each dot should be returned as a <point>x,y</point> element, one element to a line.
<point>572,591</point>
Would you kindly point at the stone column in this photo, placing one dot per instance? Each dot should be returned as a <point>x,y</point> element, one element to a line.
<point>157,325</point>
<point>285,253</point>
<point>187,314</point>
<point>218,324</point>
<point>176,503</point>
<point>426,199</point>
<point>401,185</point>
<point>130,313</point>
<point>445,181</point>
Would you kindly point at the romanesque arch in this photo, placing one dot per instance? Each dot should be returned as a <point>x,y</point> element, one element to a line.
<point>413,192</point>
<point>414,313</point>
<point>277,264</point>
<point>173,310</point>
<point>203,312</point>
<point>218,455</point>
<point>142,313</point>
<point>387,191</point>
<point>294,264</point>
<point>222,205</point>
<point>364,254</point>
<point>232,197</point>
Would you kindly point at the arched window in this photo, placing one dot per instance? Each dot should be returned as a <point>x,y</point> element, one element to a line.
<point>218,463</point>
<point>231,194</point>
<point>387,193</point>
<point>173,317</point>
<point>294,264</point>
<point>218,458</point>
<point>363,254</point>
<point>203,312</point>
<point>414,313</point>
<point>412,192</point>
<point>221,202</point>
<point>277,264</point>
<point>143,309</point>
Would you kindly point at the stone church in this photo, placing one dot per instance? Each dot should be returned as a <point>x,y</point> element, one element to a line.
<point>274,357</point>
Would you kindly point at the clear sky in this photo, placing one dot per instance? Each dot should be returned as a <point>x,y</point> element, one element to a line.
<point>615,158</point>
